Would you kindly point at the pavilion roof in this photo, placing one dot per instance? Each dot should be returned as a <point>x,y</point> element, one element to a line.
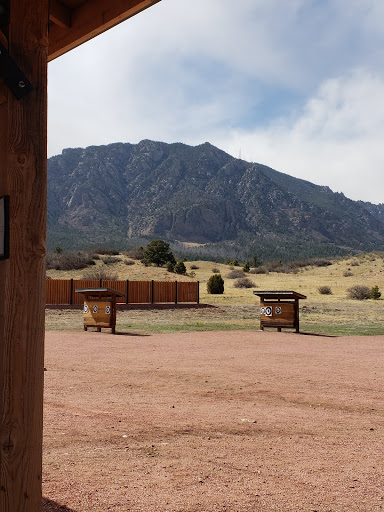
<point>72,22</point>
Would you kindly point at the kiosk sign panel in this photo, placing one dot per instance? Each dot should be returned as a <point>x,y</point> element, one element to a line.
<point>278,314</point>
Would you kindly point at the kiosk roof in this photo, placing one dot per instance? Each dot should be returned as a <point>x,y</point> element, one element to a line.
<point>72,22</point>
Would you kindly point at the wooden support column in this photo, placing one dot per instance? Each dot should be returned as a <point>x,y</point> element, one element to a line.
<point>23,131</point>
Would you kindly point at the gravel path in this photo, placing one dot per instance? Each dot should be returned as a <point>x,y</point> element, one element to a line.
<point>241,421</point>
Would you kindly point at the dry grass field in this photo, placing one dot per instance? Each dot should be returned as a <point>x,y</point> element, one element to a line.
<point>237,308</point>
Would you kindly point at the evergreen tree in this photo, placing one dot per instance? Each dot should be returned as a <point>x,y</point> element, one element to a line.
<point>159,253</point>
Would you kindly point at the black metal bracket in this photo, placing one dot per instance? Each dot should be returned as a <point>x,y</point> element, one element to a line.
<point>12,75</point>
<point>4,227</point>
<point>4,13</point>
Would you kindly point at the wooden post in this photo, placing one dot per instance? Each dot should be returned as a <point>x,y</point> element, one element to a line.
<point>23,131</point>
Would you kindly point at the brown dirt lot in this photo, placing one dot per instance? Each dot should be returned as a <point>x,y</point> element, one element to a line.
<point>234,421</point>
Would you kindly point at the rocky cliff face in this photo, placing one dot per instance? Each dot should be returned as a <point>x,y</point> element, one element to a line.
<point>196,194</point>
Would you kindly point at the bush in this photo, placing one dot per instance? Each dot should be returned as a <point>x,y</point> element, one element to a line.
<point>107,252</point>
<point>359,292</point>
<point>320,262</point>
<point>215,284</point>
<point>95,275</point>
<point>108,260</point>
<point>244,282</point>
<point>348,273</point>
<point>375,293</point>
<point>67,261</point>
<point>246,267</point>
<point>215,270</point>
<point>194,267</point>
<point>235,274</point>
<point>137,253</point>
<point>129,262</point>
<point>170,266</point>
<point>325,290</point>
<point>180,268</point>
<point>259,270</point>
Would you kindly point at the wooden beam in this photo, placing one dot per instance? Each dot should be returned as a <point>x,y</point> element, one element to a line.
<point>91,19</point>
<point>60,14</point>
<point>23,130</point>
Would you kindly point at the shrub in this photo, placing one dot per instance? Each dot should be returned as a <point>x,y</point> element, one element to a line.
<point>180,268</point>
<point>108,260</point>
<point>137,253</point>
<point>170,266</point>
<point>325,290</point>
<point>106,251</point>
<point>235,274</point>
<point>105,275</point>
<point>67,261</point>
<point>375,293</point>
<point>244,282</point>
<point>359,292</point>
<point>348,273</point>
<point>320,262</point>
<point>129,262</point>
<point>259,270</point>
<point>194,267</point>
<point>215,284</point>
<point>354,263</point>
<point>246,267</point>
<point>215,270</point>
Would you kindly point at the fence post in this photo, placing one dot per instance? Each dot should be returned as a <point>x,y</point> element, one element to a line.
<point>71,293</point>
<point>198,292</point>
<point>101,283</point>
<point>175,292</point>
<point>127,301</point>
<point>153,292</point>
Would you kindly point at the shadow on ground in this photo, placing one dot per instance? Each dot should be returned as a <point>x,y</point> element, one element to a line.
<point>318,334</point>
<point>52,506</point>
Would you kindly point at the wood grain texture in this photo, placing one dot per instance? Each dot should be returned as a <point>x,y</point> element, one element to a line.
<point>89,20</point>
<point>23,298</point>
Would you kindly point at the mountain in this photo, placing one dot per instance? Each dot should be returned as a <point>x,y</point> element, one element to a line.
<point>119,192</point>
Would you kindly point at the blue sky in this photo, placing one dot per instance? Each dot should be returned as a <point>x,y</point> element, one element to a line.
<point>294,84</point>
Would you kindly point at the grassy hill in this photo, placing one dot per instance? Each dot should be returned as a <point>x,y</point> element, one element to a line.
<point>237,308</point>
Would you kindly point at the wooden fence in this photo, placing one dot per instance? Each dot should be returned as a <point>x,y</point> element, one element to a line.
<point>62,291</point>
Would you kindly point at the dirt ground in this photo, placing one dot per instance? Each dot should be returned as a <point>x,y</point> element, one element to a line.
<point>234,421</point>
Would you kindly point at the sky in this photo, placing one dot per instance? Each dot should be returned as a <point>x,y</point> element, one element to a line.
<point>297,85</point>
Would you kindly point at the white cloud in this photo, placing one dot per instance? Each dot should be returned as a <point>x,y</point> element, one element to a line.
<point>336,140</point>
